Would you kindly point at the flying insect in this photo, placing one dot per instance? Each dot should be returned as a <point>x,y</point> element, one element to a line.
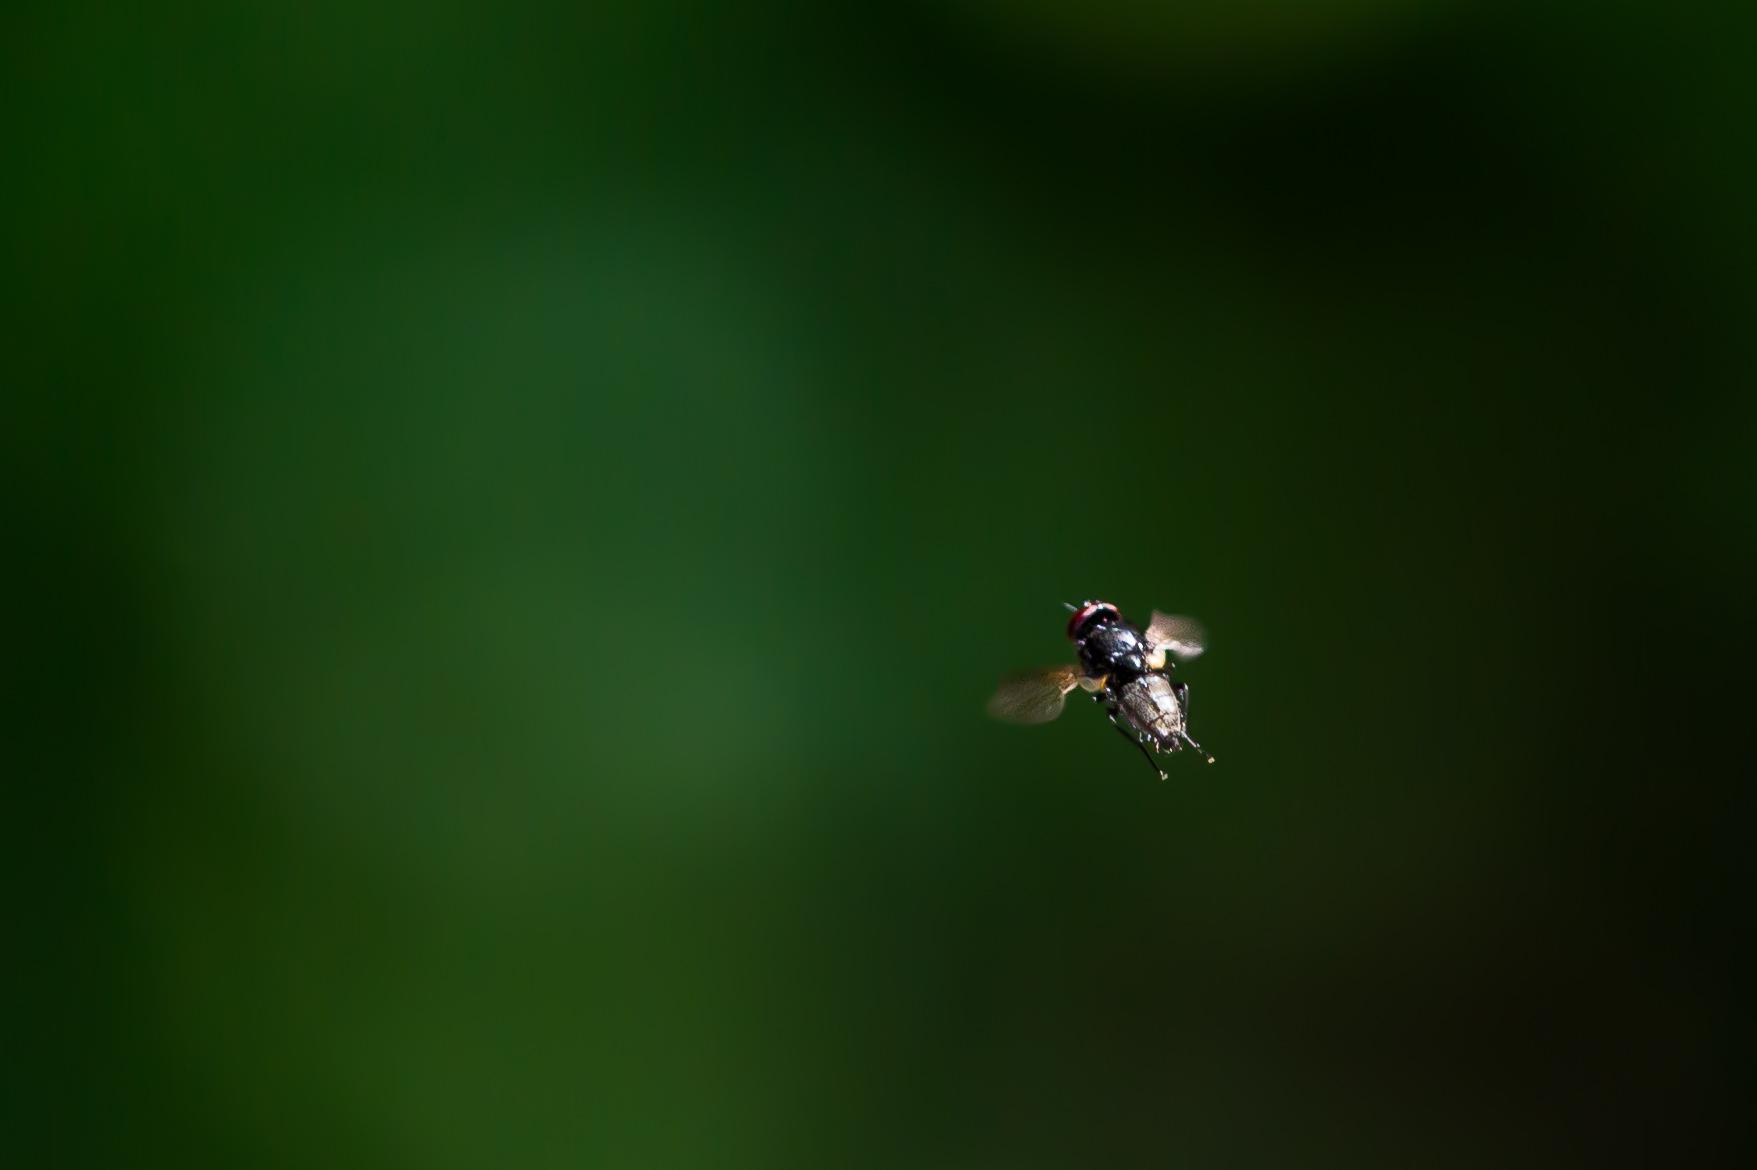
<point>1123,667</point>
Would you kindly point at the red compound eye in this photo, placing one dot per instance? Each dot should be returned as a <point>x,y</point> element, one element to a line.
<point>1087,612</point>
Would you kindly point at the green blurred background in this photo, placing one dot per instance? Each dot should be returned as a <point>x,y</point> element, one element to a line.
<point>517,511</point>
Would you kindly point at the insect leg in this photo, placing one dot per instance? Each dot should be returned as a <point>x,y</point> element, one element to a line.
<point>1145,754</point>
<point>1200,750</point>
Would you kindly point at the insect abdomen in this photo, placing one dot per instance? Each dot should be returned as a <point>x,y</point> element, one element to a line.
<point>1150,704</point>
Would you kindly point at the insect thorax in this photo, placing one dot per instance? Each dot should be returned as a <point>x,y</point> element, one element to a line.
<point>1113,648</point>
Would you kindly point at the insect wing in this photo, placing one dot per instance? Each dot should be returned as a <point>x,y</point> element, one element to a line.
<point>1034,697</point>
<point>1179,636</point>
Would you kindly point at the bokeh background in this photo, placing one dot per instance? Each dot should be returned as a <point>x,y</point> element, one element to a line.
<point>517,509</point>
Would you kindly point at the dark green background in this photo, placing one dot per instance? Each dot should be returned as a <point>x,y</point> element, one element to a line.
<point>517,512</point>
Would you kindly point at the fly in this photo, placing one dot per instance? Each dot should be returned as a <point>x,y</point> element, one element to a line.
<point>1125,668</point>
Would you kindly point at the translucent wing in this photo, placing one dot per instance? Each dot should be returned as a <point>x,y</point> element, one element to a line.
<point>1034,697</point>
<point>1178,636</point>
